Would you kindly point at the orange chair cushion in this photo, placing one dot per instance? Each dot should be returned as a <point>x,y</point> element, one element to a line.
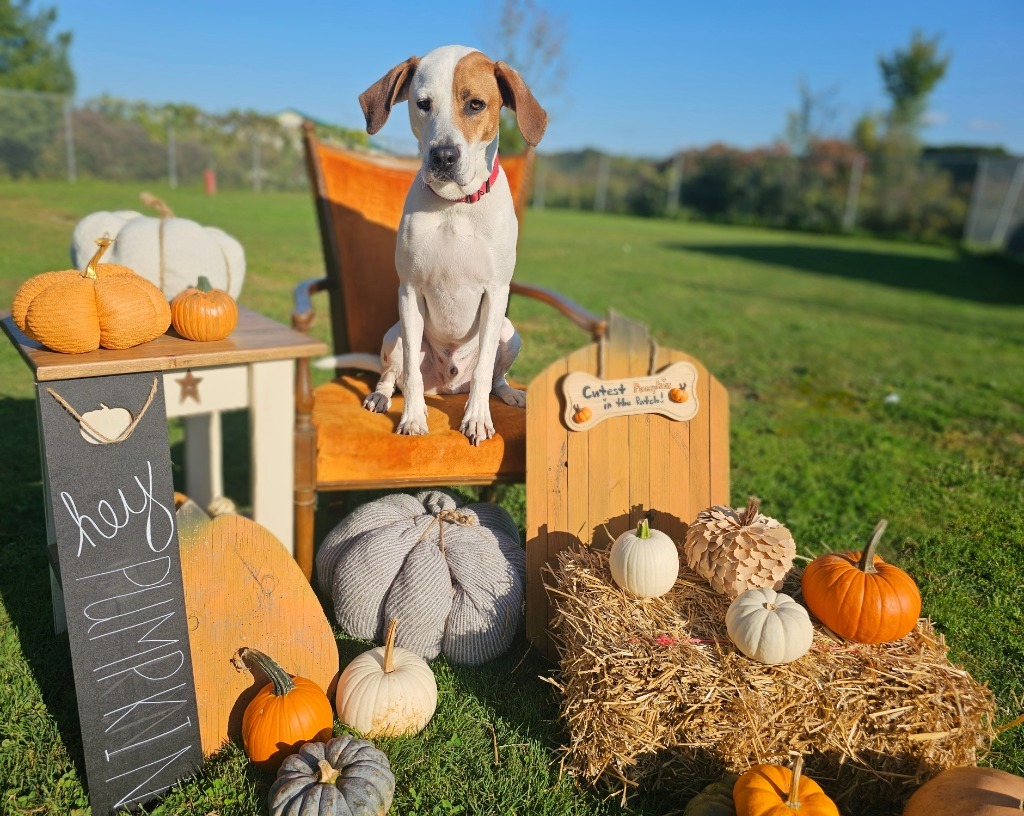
<point>358,447</point>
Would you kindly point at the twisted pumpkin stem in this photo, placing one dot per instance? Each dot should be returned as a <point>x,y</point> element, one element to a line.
<point>90,268</point>
<point>867,557</point>
<point>753,506</point>
<point>283,683</point>
<point>389,647</point>
<point>328,774</point>
<point>793,801</point>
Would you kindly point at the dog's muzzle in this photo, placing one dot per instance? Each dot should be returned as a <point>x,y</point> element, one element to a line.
<point>443,161</point>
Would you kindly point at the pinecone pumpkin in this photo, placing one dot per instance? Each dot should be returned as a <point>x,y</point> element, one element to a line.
<point>739,550</point>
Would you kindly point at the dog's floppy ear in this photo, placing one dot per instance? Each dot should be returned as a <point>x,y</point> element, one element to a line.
<point>392,88</point>
<point>530,116</point>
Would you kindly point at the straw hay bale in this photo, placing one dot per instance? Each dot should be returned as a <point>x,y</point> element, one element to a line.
<point>654,695</point>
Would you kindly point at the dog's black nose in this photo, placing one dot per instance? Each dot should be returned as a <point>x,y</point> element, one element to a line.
<point>442,159</point>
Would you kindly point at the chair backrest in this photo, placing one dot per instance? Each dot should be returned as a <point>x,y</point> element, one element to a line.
<point>359,199</point>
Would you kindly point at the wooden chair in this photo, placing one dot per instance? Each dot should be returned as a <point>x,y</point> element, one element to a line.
<point>338,444</point>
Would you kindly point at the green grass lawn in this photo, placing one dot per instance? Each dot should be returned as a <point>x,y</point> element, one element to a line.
<point>867,379</point>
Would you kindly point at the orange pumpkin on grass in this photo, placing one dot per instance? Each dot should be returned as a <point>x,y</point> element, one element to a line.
<point>106,305</point>
<point>859,596</point>
<point>772,790</point>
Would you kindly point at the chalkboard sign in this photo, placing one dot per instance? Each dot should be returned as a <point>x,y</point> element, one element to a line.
<point>117,545</point>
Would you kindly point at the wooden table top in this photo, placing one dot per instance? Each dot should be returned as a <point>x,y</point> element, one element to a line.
<point>255,339</point>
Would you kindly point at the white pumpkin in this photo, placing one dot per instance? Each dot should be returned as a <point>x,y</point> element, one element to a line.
<point>645,562</point>
<point>768,626</point>
<point>170,252</point>
<point>388,691</point>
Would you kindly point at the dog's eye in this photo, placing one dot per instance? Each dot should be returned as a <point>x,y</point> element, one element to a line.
<point>476,105</point>
<point>423,104</point>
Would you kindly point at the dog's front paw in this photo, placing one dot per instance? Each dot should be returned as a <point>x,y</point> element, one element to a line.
<point>377,402</point>
<point>414,421</point>
<point>477,425</point>
<point>510,396</point>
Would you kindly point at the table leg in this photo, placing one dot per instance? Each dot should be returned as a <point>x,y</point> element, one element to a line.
<point>271,424</point>
<point>204,471</point>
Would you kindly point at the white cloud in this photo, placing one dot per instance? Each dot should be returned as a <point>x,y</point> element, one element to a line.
<point>985,126</point>
<point>935,118</point>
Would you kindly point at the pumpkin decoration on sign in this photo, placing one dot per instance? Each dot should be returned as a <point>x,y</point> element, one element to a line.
<point>968,791</point>
<point>167,250</point>
<point>739,550</point>
<point>345,775</point>
<point>582,415</point>
<point>454,574</point>
<point>679,394</point>
<point>772,790</point>
<point>860,597</point>
<point>769,627</point>
<point>714,800</point>
<point>203,313</point>
<point>287,712</point>
<point>106,305</point>
<point>388,691</point>
<point>645,563</point>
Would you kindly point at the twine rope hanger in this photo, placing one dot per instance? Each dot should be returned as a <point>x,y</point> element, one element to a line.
<point>121,437</point>
<point>451,515</point>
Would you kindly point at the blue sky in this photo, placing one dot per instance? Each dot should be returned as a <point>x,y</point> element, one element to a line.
<point>641,78</point>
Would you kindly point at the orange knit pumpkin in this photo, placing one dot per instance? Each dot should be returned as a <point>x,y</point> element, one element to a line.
<point>286,713</point>
<point>106,305</point>
<point>859,596</point>
<point>771,790</point>
<point>204,313</point>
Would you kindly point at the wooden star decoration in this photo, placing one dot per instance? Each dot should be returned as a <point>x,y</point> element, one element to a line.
<point>189,387</point>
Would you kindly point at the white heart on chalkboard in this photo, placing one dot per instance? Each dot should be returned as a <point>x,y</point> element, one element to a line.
<point>110,422</point>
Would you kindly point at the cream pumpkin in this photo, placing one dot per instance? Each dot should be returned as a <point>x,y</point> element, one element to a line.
<point>645,562</point>
<point>387,691</point>
<point>769,627</point>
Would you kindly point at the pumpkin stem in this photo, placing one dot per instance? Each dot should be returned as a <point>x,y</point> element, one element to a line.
<point>867,557</point>
<point>793,801</point>
<point>90,268</point>
<point>389,647</point>
<point>283,683</point>
<point>328,773</point>
<point>157,204</point>
<point>753,505</point>
<point>643,529</point>
<point>204,285</point>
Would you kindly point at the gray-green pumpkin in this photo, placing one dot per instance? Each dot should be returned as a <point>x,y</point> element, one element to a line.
<point>344,775</point>
<point>714,800</point>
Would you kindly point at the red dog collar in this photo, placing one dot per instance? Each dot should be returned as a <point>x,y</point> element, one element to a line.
<point>472,198</point>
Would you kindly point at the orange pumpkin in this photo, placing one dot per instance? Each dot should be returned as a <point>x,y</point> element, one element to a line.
<point>859,596</point>
<point>286,713</point>
<point>969,790</point>
<point>106,305</point>
<point>679,394</point>
<point>203,313</point>
<point>582,415</point>
<point>771,790</point>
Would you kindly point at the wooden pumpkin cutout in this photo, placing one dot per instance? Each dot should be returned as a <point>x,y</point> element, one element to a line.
<point>242,588</point>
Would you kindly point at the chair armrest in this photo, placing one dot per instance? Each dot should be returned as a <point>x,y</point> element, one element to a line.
<point>591,323</point>
<point>303,314</point>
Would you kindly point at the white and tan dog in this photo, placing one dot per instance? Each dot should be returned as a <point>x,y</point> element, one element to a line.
<point>457,238</point>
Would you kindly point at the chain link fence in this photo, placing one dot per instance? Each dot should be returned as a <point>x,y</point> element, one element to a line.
<point>834,188</point>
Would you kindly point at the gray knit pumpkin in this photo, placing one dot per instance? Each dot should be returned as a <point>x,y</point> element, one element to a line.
<point>454,576</point>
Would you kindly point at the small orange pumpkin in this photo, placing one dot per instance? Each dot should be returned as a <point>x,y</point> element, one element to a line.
<point>107,305</point>
<point>582,415</point>
<point>772,790</point>
<point>859,596</point>
<point>203,313</point>
<point>286,713</point>
<point>679,394</point>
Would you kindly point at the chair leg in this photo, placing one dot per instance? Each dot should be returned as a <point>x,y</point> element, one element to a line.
<point>305,468</point>
<point>489,493</point>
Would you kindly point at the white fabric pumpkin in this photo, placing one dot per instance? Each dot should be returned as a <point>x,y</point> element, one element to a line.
<point>644,562</point>
<point>768,626</point>
<point>170,252</point>
<point>388,691</point>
